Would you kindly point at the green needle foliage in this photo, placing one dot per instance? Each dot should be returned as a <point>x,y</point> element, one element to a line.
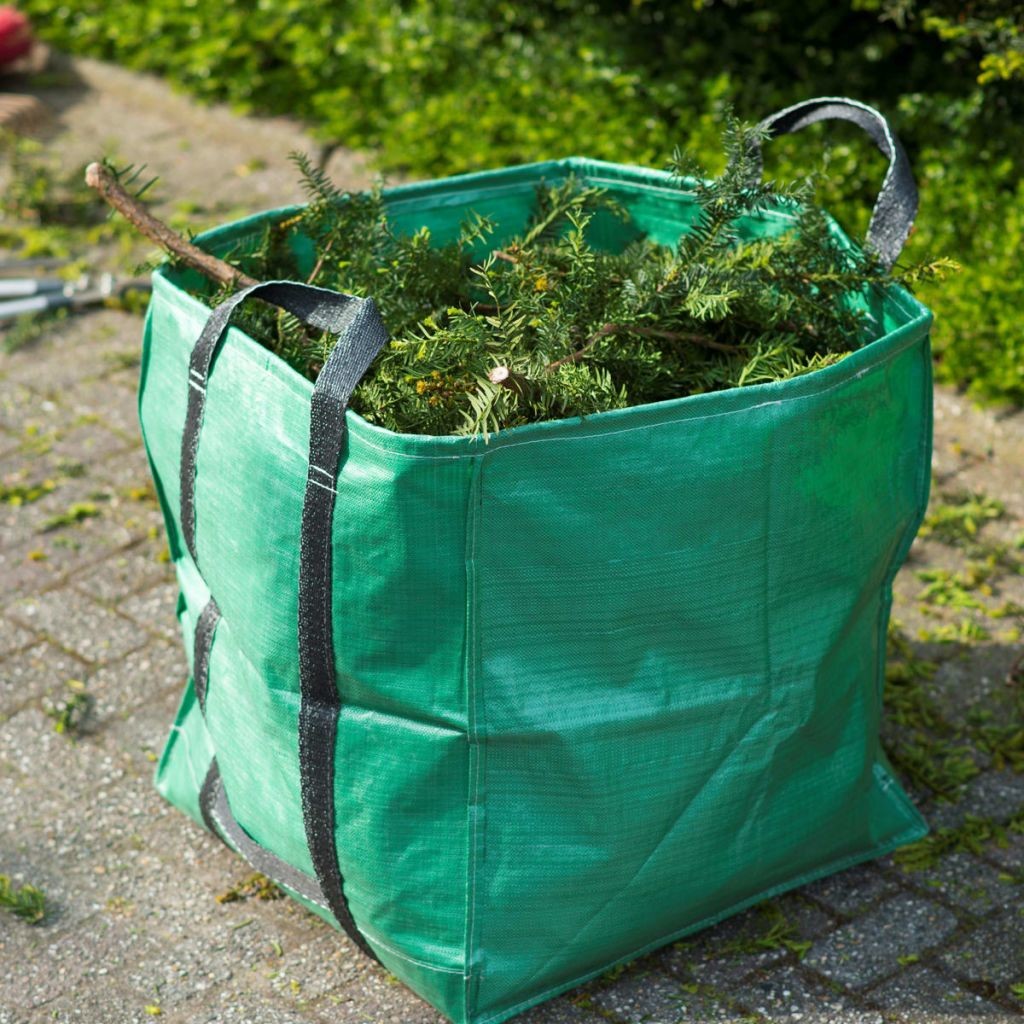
<point>488,336</point>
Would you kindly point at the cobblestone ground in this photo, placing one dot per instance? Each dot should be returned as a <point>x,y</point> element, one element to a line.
<point>134,931</point>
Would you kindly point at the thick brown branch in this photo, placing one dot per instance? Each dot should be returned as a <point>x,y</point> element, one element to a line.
<point>103,181</point>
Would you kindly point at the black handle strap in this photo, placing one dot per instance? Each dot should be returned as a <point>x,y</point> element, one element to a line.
<point>896,206</point>
<point>217,815</point>
<point>355,321</point>
<point>361,334</point>
<point>362,337</point>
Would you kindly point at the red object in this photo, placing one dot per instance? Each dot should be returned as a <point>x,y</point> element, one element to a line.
<point>15,35</point>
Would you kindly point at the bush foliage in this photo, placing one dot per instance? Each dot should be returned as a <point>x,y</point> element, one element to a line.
<point>440,86</point>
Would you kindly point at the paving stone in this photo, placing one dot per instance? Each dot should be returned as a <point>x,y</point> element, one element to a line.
<point>12,637</point>
<point>89,1003</point>
<point>50,816</point>
<point>312,970</point>
<point>77,350</point>
<point>869,947</point>
<point>992,953</point>
<point>970,883</point>
<point>993,794</point>
<point>41,561</point>
<point>127,572</point>
<point>850,892</point>
<point>141,734</point>
<point>155,610</point>
<point>376,997</point>
<point>1010,857</point>
<point>654,998</point>
<point>139,678</point>
<point>239,1008</point>
<point>79,624</point>
<point>974,679</point>
<point>38,669</point>
<point>923,996</point>
<point>720,956</point>
<point>808,920</point>
<point>996,795</point>
<point>786,993</point>
<point>128,473</point>
<point>75,960</point>
<point>29,522</point>
<point>113,405</point>
<point>559,1011</point>
<point>17,404</point>
<point>82,442</point>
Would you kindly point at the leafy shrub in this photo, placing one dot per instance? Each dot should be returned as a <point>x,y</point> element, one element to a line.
<point>439,86</point>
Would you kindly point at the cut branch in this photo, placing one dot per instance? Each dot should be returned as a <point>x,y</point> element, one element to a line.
<point>648,332</point>
<point>104,181</point>
<point>512,381</point>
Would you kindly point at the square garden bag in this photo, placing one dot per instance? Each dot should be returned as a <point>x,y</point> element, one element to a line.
<point>510,712</point>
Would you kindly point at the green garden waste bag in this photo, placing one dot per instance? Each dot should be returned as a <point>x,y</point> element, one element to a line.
<point>512,711</point>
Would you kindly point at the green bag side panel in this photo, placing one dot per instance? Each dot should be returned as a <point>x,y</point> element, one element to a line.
<point>679,632</point>
<point>602,681</point>
<point>400,638</point>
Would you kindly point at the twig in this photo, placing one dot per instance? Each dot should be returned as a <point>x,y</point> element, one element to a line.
<point>506,378</point>
<point>318,266</point>
<point>649,332</point>
<point>100,178</point>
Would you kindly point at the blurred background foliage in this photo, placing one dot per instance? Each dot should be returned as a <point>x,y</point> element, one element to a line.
<point>441,86</point>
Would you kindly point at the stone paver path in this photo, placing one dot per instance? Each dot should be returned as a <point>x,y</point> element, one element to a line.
<point>134,930</point>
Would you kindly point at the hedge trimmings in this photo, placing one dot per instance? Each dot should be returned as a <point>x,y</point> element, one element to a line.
<point>487,336</point>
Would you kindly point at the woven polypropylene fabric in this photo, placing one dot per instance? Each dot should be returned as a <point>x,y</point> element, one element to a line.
<point>602,681</point>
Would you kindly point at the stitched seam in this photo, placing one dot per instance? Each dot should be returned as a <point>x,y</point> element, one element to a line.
<point>472,735</point>
<point>923,469</point>
<point>316,483</point>
<point>411,959</point>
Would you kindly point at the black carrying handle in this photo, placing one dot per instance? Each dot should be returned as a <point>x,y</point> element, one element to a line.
<point>896,206</point>
<point>361,335</point>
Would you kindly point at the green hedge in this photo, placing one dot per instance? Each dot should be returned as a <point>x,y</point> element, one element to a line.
<point>440,87</point>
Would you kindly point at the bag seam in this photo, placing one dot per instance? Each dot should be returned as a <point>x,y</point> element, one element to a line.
<point>907,539</point>
<point>475,749</point>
